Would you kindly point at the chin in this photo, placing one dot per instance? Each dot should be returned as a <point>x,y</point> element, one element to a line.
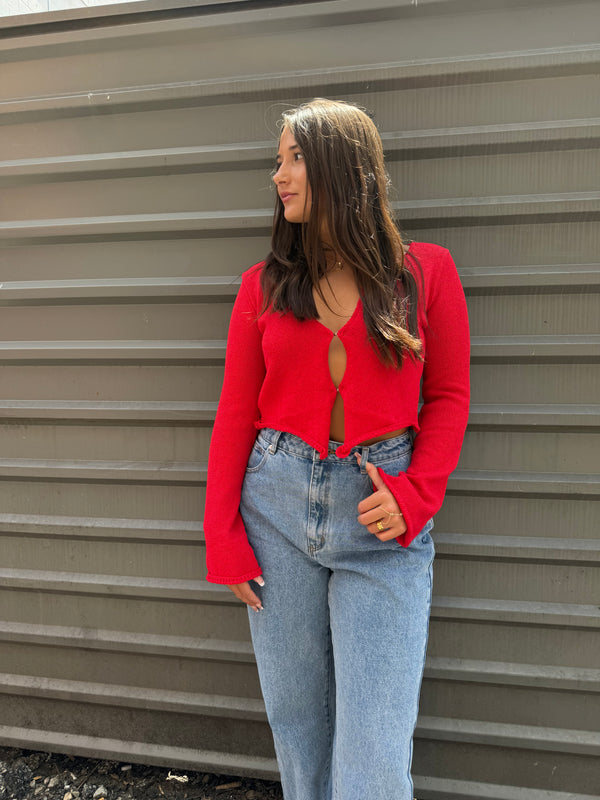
<point>294,218</point>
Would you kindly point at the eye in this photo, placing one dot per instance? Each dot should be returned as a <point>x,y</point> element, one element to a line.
<point>298,156</point>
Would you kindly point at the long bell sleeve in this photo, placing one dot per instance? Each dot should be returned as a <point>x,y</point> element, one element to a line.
<point>229,557</point>
<point>442,420</point>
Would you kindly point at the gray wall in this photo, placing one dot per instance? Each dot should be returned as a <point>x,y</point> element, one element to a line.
<point>136,147</point>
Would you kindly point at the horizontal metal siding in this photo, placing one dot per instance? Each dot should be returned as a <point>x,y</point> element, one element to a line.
<point>135,184</point>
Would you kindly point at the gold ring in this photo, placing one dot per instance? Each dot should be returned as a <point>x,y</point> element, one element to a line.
<point>380,526</point>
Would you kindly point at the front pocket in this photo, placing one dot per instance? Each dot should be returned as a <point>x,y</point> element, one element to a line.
<point>258,457</point>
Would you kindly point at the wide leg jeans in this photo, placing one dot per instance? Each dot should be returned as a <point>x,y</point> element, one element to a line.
<point>340,642</point>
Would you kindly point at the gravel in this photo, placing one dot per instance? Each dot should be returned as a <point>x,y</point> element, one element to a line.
<point>29,775</point>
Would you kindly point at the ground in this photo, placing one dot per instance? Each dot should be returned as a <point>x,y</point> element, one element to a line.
<point>31,775</point>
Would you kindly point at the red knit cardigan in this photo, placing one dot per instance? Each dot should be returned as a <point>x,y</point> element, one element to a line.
<point>277,376</point>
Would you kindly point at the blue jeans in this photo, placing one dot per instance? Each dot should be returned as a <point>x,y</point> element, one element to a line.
<point>340,642</point>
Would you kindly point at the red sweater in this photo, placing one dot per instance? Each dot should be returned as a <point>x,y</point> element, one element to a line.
<point>277,376</point>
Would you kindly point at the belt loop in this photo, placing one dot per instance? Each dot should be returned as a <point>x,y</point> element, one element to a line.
<point>274,441</point>
<point>364,457</point>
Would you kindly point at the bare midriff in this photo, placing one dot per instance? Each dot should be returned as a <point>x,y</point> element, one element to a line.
<point>341,295</point>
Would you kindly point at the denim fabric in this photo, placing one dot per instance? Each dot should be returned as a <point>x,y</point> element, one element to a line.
<point>340,642</point>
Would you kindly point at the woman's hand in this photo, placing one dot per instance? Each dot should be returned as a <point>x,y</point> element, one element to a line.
<point>380,512</point>
<point>244,593</point>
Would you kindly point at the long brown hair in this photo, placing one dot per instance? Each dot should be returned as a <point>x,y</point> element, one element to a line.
<point>345,171</point>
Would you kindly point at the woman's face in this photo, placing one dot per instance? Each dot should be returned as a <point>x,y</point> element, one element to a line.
<point>291,181</point>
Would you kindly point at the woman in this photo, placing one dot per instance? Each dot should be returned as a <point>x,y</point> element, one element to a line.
<point>327,510</point>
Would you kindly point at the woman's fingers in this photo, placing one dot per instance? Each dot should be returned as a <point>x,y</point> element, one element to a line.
<point>376,505</point>
<point>373,473</point>
<point>383,522</point>
<point>375,512</point>
<point>244,593</point>
<point>380,512</point>
<point>385,530</point>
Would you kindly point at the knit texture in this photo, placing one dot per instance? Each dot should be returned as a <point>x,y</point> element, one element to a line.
<point>277,376</point>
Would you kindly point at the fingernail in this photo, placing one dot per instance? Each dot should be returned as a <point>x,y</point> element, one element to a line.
<point>259,580</point>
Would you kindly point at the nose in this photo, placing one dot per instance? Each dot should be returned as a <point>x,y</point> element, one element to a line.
<point>280,175</point>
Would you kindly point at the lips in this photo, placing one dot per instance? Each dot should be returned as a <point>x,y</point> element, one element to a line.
<point>285,196</point>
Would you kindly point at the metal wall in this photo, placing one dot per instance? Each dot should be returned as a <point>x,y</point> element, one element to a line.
<point>135,149</point>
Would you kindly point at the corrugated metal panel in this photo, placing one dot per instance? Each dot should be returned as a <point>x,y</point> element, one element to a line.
<point>136,143</point>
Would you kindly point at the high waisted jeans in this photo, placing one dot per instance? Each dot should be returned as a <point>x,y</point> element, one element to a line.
<point>340,642</point>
